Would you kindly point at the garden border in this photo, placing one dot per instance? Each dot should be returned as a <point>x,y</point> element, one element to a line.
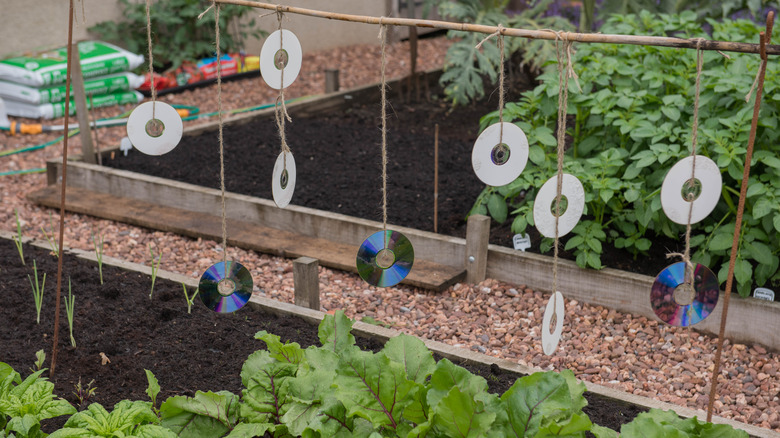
<point>382,334</point>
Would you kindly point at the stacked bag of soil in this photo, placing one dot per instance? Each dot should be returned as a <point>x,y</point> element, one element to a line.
<point>34,86</point>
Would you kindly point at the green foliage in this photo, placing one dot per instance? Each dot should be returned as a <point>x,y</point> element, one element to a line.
<point>705,9</point>
<point>37,290</point>
<point>190,299</point>
<point>84,393</point>
<point>177,34</point>
<point>466,67</point>
<point>632,123</point>
<point>207,414</point>
<point>55,249</point>
<point>128,418</point>
<point>662,424</point>
<point>97,243</point>
<point>155,267</point>
<point>70,303</point>
<point>24,404</point>
<point>18,237</point>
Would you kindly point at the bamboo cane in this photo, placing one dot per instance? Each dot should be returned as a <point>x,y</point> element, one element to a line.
<point>641,40</point>
<point>436,180</point>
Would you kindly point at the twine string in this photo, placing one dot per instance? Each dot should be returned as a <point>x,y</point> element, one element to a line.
<point>281,114</point>
<point>383,87</point>
<point>152,88</point>
<point>501,90</point>
<point>216,7</point>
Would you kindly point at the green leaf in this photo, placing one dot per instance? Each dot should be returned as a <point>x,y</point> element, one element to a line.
<point>536,155</point>
<point>671,112</point>
<point>153,387</point>
<point>248,430</point>
<point>603,432</point>
<point>412,353</point>
<point>721,241</point>
<point>534,399</point>
<point>760,252</point>
<point>334,332</point>
<point>743,271</point>
<point>205,415</point>
<point>459,414</point>
<point>545,138</point>
<point>155,431</point>
<point>290,352</point>
<point>762,207</point>
<point>776,222</point>
<point>448,375</point>
<point>497,208</point>
<point>265,396</point>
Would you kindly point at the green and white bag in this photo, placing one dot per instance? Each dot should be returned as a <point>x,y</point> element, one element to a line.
<point>54,110</point>
<point>93,87</point>
<point>97,59</point>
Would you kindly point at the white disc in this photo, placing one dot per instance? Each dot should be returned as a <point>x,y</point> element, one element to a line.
<point>140,128</point>
<point>675,206</point>
<point>550,340</point>
<point>497,166</point>
<point>544,205</point>
<point>280,40</point>
<point>283,187</point>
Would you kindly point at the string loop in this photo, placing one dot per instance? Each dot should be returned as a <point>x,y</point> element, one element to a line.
<point>216,7</point>
<point>152,87</point>
<point>281,114</point>
<point>383,87</point>
<point>501,90</point>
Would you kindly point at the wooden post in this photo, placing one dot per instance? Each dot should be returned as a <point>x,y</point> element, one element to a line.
<point>477,236</point>
<point>331,80</point>
<point>80,97</point>
<point>436,179</point>
<point>307,282</point>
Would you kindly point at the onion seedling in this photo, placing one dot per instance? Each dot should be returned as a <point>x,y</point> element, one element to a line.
<point>190,299</point>
<point>40,356</point>
<point>69,303</point>
<point>155,267</point>
<point>37,290</point>
<point>18,237</point>
<point>51,239</point>
<point>99,253</point>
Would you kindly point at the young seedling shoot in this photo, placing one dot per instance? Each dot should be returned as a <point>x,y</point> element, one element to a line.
<point>18,237</point>
<point>37,290</point>
<point>155,267</point>
<point>84,393</point>
<point>40,359</point>
<point>97,242</point>
<point>69,303</point>
<point>190,300</point>
<point>51,238</point>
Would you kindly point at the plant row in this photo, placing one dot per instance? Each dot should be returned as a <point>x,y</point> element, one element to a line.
<point>339,390</point>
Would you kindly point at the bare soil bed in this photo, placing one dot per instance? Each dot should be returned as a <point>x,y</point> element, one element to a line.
<point>203,350</point>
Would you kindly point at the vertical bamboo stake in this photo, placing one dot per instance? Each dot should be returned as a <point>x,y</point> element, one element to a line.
<point>436,179</point>
<point>765,38</point>
<point>95,133</point>
<point>414,80</point>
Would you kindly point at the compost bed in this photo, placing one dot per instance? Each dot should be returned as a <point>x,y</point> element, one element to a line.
<point>337,156</point>
<point>187,352</point>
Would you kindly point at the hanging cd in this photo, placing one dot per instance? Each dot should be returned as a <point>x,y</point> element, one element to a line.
<point>498,161</point>
<point>283,183</point>
<point>572,205</point>
<point>554,308</point>
<point>156,135</point>
<point>281,51</point>
<point>382,265</point>
<point>681,304</point>
<point>704,190</point>
<point>225,290</point>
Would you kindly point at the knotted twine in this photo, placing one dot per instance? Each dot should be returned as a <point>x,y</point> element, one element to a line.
<point>383,88</point>
<point>281,108</point>
<point>501,91</point>
<point>689,195</point>
<point>152,88</point>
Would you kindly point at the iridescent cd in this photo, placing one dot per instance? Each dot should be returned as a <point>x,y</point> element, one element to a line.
<point>385,265</point>
<point>676,303</point>
<point>225,290</point>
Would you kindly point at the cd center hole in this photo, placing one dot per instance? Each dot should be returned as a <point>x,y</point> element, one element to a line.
<point>500,154</point>
<point>284,179</point>
<point>553,321</point>
<point>684,294</point>
<point>691,190</point>
<point>226,287</point>
<point>385,258</point>
<point>281,58</point>
<point>563,206</point>
<point>155,128</point>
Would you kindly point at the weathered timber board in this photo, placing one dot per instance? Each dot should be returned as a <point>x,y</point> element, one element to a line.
<point>242,234</point>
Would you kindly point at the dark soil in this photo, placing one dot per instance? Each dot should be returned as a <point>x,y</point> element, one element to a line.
<point>187,352</point>
<point>338,159</point>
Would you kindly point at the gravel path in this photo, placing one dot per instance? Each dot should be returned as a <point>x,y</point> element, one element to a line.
<point>611,348</point>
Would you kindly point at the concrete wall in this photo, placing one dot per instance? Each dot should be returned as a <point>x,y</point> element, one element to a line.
<point>30,25</point>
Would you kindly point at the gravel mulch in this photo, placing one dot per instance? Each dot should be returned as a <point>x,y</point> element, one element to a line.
<point>614,349</point>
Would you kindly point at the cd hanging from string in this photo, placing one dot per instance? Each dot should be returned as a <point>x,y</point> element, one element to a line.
<point>572,205</point>
<point>678,191</point>
<point>680,303</point>
<point>154,128</point>
<point>382,265</point>
<point>281,51</point>
<point>498,159</point>
<point>283,183</point>
<point>554,309</point>
<point>225,289</point>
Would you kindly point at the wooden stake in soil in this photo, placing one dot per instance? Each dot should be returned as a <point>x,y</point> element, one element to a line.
<point>436,179</point>
<point>307,282</point>
<point>68,71</point>
<point>765,38</point>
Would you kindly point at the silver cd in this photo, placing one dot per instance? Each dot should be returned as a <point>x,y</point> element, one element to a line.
<point>154,128</point>
<point>281,51</point>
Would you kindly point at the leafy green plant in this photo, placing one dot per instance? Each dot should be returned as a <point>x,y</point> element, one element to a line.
<point>37,290</point>
<point>128,418</point>
<point>70,303</point>
<point>630,124</point>
<point>97,243</point>
<point>18,237</point>
<point>40,359</point>
<point>190,299</point>
<point>705,10</point>
<point>658,423</point>
<point>84,393</point>
<point>51,237</point>
<point>24,404</point>
<point>155,267</point>
<point>178,34</point>
<point>466,67</point>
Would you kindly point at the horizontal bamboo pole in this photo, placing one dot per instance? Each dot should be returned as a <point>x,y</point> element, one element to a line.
<point>723,46</point>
